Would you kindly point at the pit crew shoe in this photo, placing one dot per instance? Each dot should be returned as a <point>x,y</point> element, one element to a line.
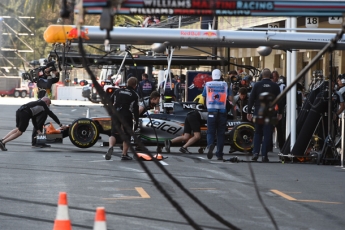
<point>2,146</point>
<point>220,158</point>
<point>210,151</point>
<point>167,144</point>
<point>255,157</point>
<point>109,153</point>
<point>126,158</point>
<point>184,150</point>
<point>232,150</point>
<point>265,159</point>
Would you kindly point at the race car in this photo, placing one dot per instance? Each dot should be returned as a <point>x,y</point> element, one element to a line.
<point>155,128</point>
<point>84,132</point>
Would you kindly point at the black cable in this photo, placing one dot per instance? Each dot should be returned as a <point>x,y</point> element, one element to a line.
<point>141,50</point>
<point>59,64</point>
<point>213,7</point>
<point>106,53</point>
<point>106,101</point>
<point>252,174</point>
<point>141,95</point>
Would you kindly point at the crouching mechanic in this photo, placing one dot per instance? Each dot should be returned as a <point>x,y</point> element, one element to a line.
<point>23,115</point>
<point>126,104</point>
<point>148,103</point>
<point>191,123</point>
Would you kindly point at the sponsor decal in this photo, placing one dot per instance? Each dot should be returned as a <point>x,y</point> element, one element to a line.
<point>190,33</point>
<point>74,34</point>
<point>233,123</point>
<point>150,11</point>
<point>169,3</point>
<point>41,137</point>
<point>233,12</point>
<point>210,34</point>
<point>164,126</point>
<point>193,106</point>
<point>83,122</point>
<point>207,4</point>
<point>254,5</point>
<point>192,4</point>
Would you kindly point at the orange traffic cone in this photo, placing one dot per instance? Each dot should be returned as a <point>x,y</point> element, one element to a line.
<point>62,221</point>
<point>100,223</point>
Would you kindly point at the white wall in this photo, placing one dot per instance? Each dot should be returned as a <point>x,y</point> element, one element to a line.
<point>70,93</point>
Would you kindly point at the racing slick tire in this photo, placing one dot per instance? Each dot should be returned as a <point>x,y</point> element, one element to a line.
<point>84,133</point>
<point>241,137</point>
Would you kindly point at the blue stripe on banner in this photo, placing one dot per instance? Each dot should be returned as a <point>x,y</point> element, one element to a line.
<point>296,14</point>
<point>309,4</point>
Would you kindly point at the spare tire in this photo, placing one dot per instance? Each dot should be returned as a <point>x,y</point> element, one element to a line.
<point>84,133</point>
<point>242,136</point>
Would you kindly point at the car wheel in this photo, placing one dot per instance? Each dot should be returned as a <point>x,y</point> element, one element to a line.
<point>242,136</point>
<point>23,94</point>
<point>16,93</point>
<point>84,133</point>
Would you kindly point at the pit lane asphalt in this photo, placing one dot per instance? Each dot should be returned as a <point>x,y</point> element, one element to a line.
<point>299,196</point>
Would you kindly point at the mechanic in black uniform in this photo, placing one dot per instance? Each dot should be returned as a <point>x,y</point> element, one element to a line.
<point>180,89</point>
<point>147,103</point>
<point>241,102</point>
<point>241,107</point>
<point>126,103</point>
<point>263,132</point>
<point>52,77</point>
<point>280,126</point>
<point>23,115</point>
<point>192,124</point>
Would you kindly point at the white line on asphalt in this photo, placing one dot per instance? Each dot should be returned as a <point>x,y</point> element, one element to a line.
<point>202,158</point>
<point>163,163</point>
<point>222,174</point>
<point>101,160</point>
